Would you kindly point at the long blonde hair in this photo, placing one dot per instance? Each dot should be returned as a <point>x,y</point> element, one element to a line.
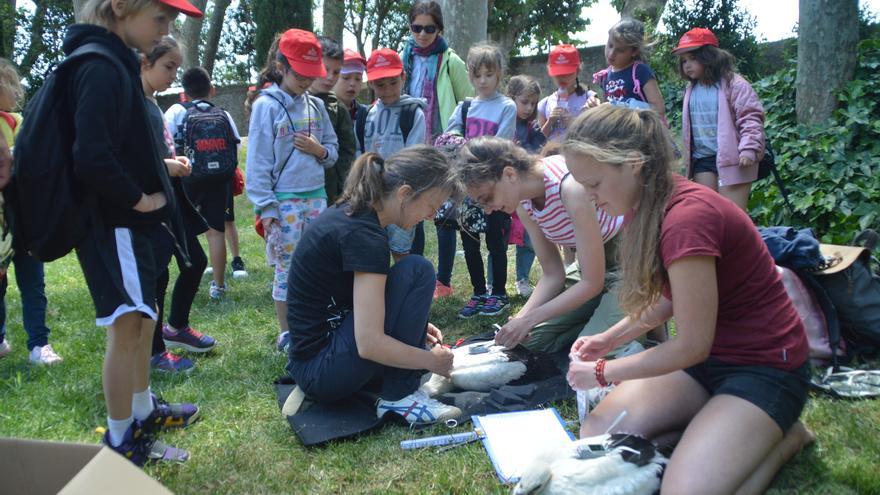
<point>616,136</point>
<point>372,178</point>
<point>100,12</point>
<point>10,82</point>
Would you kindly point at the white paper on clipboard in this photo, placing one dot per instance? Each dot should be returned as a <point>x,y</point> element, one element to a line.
<point>513,439</point>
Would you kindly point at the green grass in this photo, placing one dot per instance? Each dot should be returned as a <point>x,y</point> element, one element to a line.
<point>242,445</point>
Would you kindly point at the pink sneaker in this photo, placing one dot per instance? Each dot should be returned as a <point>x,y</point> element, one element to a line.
<point>442,290</point>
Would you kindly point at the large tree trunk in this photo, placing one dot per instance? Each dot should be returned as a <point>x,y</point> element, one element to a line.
<point>7,29</point>
<point>215,28</point>
<point>828,35</point>
<point>465,23</point>
<point>647,11</point>
<point>77,9</point>
<point>276,16</point>
<point>191,36</point>
<point>334,18</point>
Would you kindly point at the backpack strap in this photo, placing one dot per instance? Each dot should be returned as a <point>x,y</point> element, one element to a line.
<point>361,124</point>
<point>292,128</point>
<point>407,120</point>
<point>465,107</point>
<point>637,86</point>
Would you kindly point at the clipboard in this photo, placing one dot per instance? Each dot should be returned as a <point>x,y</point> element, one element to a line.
<point>512,439</point>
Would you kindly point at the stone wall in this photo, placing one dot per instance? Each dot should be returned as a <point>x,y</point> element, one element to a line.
<point>230,98</point>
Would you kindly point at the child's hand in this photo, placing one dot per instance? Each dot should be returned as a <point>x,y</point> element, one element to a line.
<point>582,375</point>
<point>151,202</point>
<point>746,162</point>
<point>442,361</point>
<point>593,101</point>
<point>310,145</point>
<point>435,336</point>
<point>269,223</point>
<point>177,168</point>
<point>591,347</point>
<point>558,114</point>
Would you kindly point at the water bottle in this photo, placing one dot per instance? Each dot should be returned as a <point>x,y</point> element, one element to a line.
<point>561,102</point>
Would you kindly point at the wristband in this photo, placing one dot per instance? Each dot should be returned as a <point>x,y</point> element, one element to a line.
<point>600,372</point>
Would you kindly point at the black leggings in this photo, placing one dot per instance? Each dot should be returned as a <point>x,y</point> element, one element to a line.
<point>497,232</point>
<point>185,287</point>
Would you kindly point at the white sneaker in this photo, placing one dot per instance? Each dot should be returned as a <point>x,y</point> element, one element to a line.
<point>216,291</point>
<point>208,271</point>
<point>523,288</point>
<point>418,408</point>
<point>44,355</point>
<point>238,270</point>
<point>5,348</point>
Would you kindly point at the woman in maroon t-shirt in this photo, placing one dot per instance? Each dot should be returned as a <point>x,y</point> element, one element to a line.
<point>735,379</point>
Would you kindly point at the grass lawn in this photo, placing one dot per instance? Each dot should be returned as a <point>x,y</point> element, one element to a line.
<point>242,445</point>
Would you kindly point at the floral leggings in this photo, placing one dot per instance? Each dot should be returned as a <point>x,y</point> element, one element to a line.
<point>294,216</point>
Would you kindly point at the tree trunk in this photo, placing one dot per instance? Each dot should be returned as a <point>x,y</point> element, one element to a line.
<point>36,47</point>
<point>465,23</point>
<point>77,9</point>
<point>647,11</point>
<point>334,17</point>
<point>215,28</point>
<point>7,29</point>
<point>191,36</point>
<point>828,35</point>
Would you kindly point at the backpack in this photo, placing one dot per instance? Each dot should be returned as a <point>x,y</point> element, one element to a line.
<point>45,209</point>
<point>207,139</point>
<point>407,119</point>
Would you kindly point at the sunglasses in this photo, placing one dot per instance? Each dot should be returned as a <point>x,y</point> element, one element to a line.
<point>418,28</point>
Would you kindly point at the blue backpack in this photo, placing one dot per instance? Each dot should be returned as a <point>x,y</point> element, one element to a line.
<point>207,139</point>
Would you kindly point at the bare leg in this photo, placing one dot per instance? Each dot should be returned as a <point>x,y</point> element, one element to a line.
<point>232,238</point>
<point>654,406</point>
<point>707,179</point>
<point>738,193</point>
<point>793,442</point>
<point>123,352</point>
<point>217,252</point>
<point>721,448</point>
<point>281,314</point>
<point>141,369</point>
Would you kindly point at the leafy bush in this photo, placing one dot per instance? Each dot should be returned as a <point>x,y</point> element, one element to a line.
<point>832,169</point>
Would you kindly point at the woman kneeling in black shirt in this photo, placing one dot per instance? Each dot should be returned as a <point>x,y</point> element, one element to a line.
<point>353,319</point>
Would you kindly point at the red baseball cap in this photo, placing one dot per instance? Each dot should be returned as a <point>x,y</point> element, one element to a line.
<point>303,52</point>
<point>694,39</point>
<point>563,60</point>
<point>383,63</point>
<point>183,6</point>
<point>353,62</point>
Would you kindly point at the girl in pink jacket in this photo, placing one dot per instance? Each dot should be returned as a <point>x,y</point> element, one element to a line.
<point>722,118</point>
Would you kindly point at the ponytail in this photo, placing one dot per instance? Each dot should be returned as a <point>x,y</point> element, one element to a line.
<point>578,87</point>
<point>268,75</point>
<point>364,184</point>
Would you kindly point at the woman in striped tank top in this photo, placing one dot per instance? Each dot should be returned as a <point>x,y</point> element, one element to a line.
<point>556,211</point>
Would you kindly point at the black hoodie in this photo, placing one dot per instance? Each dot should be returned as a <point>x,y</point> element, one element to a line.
<point>113,150</point>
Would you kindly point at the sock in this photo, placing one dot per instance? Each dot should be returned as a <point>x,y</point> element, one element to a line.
<point>117,429</point>
<point>142,404</point>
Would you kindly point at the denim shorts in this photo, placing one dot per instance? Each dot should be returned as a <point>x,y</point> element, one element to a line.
<point>705,164</point>
<point>779,393</point>
<point>400,240</point>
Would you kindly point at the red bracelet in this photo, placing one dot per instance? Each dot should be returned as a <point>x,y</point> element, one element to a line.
<point>600,372</point>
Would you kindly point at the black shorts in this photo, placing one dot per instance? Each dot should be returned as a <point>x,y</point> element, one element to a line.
<point>211,199</point>
<point>705,164</point>
<point>779,393</point>
<point>120,270</point>
<point>229,214</point>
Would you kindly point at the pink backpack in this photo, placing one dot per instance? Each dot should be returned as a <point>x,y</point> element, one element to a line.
<point>812,316</point>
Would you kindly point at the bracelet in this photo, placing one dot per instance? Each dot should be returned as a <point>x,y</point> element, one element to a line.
<point>600,372</point>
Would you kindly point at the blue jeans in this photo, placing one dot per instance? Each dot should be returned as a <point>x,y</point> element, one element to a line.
<point>30,278</point>
<point>447,240</point>
<point>418,244</point>
<point>337,371</point>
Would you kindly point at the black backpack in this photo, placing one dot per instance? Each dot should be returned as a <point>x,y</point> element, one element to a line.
<point>407,119</point>
<point>207,139</point>
<point>44,208</point>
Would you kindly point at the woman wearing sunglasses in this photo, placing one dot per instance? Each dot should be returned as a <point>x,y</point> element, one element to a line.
<point>434,72</point>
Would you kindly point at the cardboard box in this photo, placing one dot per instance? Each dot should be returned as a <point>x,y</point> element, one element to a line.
<point>35,467</point>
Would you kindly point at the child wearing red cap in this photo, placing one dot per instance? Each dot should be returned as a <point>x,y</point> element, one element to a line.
<point>115,162</point>
<point>393,123</point>
<point>722,118</point>
<point>556,111</point>
<point>290,143</point>
<point>628,80</point>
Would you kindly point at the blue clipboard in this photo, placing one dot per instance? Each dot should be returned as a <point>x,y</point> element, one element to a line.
<point>512,439</point>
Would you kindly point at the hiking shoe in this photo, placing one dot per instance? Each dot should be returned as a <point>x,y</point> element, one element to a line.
<point>188,339</point>
<point>473,307</point>
<point>139,447</point>
<point>282,343</point>
<point>418,408</point>
<point>44,355</point>
<point>5,349</point>
<point>238,270</point>
<point>494,305</point>
<point>524,288</point>
<point>167,416</point>
<point>168,361</point>
<point>442,290</point>
<point>217,291</point>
